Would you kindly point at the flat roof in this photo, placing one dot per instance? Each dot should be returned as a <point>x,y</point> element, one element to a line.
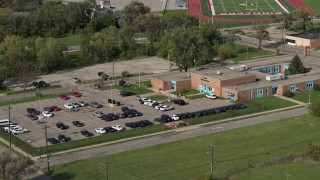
<point>173,76</point>
<point>306,36</point>
<point>226,73</point>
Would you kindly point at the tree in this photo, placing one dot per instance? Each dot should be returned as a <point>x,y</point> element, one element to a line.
<point>285,20</point>
<point>12,166</point>
<point>232,37</point>
<point>225,52</point>
<point>303,17</point>
<point>132,11</point>
<point>314,109</point>
<point>296,66</point>
<point>261,33</point>
<point>151,25</point>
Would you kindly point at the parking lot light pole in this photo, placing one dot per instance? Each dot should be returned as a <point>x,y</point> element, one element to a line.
<point>212,146</point>
<point>10,132</point>
<point>169,74</point>
<point>47,149</point>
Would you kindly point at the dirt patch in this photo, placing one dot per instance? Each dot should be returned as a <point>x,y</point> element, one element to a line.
<point>285,160</point>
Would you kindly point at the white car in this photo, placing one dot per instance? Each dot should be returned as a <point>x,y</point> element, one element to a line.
<point>211,96</point>
<point>68,106</point>
<point>98,114</point>
<point>7,129</point>
<point>117,127</point>
<point>76,79</point>
<point>100,130</point>
<point>75,105</point>
<point>158,106</point>
<point>47,114</point>
<point>151,102</point>
<point>144,99</point>
<point>165,108</point>
<point>146,102</point>
<point>19,130</point>
<point>82,103</point>
<point>175,117</point>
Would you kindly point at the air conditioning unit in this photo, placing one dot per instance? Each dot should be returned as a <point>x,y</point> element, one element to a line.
<point>275,77</point>
<point>218,72</point>
<point>239,68</point>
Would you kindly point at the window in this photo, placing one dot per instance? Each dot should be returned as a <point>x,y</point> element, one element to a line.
<point>259,92</point>
<point>210,88</point>
<point>309,85</point>
<point>292,88</point>
<point>270,71</point>
<point>276,69</point>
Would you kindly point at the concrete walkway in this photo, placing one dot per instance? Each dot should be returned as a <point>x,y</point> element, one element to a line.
<point>292,100</point>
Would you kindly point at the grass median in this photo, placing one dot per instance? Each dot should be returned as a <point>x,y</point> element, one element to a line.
<point>304,96</point>
<point>131,88</point>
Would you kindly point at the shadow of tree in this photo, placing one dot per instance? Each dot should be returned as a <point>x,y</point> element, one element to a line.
<point>58,176</point>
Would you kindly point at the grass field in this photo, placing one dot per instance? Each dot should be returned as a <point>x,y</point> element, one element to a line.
<point>234,151</point>
<point>253,52</point>
<point>314,5</point>
<point>304,96</point>
<point>70,40</point>
<point>238,6</point>
<point>132,88</point>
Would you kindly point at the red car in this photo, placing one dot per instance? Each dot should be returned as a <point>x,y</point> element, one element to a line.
<point>55,108</point>
<point>112,116</point>
<point>64,97</point>
<point>75,94</point>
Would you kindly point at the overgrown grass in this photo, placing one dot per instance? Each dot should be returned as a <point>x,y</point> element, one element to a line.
<point>11,92</point>
<point>185,92</point>
<point>253,106</point>
<point>253,53</point>
<point>304,96</point>
<point>236,152</point>
<point>70,40</point>
<point>131,88</point>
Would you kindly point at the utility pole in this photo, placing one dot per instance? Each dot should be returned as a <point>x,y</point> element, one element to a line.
<point>169,74</point>
<point>212,146</point>
<point>112,67</point>
<point>10,130</point>
<point>47,149</point>
<point>139,82</point>
<point>105,168</point>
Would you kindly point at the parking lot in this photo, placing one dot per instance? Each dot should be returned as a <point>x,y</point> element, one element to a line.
<point>36,136</point>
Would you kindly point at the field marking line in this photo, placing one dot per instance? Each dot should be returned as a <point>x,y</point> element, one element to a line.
<point>282,7</point>
<point>222,5</point>
<point>271,7</point>
<point>212,8</point>
<point>234,4</point>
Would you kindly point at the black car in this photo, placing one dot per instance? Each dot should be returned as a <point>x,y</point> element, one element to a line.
<point>121,115</point>
<point>32,117</point>
<point>179,102</point>
<point>186,115</point>
<point>61,126</point>
<point>126,93</point>
<point>86,133</point>
<point>155,104</point>
<point>132,124</point>
<point>48,109</point>
<point>52,140</point>
<point>95,105</point>
<point>145,123</point>
<point>77,123</point>
<point>166,118</point>
<point>43,84</point>
<point>124,108</point>
<point>110,130</point>
<point>106,118</point>
<point>102,74</point>
<point>135,112</point>
<point>63,138</point>
<point>33,111</point>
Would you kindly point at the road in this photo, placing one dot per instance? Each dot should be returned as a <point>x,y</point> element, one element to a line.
<point>168,137</point>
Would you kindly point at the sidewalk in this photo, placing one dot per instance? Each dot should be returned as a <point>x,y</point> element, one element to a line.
<point>292,100</point>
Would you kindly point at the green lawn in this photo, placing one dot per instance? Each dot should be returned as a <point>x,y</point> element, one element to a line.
<point>132,88</point>
<point>158,97</point>
<point>314,5</point>
<point>70,40</point>
<point>198,96</point>
<point>234,150</point>
<point>253,52</point>
<point>304,96</point>
<point>253,106</point>
<point>184,92</point>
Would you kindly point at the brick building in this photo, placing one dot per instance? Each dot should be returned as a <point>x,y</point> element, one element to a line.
<point>250,84</point>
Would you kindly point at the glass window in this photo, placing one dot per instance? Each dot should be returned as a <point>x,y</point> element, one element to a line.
<point>309,85</point>
<point>259,92</point>
<point>292,88</point>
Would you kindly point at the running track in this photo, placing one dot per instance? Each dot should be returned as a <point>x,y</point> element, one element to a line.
<point>299,4</point>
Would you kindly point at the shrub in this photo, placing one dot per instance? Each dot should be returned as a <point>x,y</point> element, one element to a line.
<point>122,82</point>
<point>314,108</point>
<point>316,87</point>
<point>288,94</point>
<point>225,52</point>
<point>104,76</point>
<point>313,151</point>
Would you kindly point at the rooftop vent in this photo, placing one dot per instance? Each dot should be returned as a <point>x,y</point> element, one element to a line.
<point>219,73</point>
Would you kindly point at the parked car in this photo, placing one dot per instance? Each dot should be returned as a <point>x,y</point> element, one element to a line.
<point>105,118</point>
<point>98,114</point>
<point>82,103</point>
<point>47,109</point>
<point>113,116</point>
<point>43,84</point>
<point>110,130</point>
<point>75,105</point>
<point>155,104</point>
<point>61,126</point>
<point>165,118</point>
<point>132,124</point>
<point>76,80</point>
<point>32,117</point>
<point>121,115</point>
<point>52,140</point>
<point>101,74</point>
<point>211,96</point>
<point>146,102</point>
<point>47,114</point>
<point>64,97</point>
<point>55,108</point>
<point>126,93</point>
<point>175,117</point>
<point>75,94</point>
<point>165,108</point>
<point>158,106</point>
<point>179,101</point>
<point>117,127</point>
<point>33,111</point>
<point>95,105</point>
<point>100,130</point>
<point>142,100</point>
<point>86,133</point>
<point>68,106</point>
<point>77,123</point>
<point>135,112</point>
<point>63,138</point>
